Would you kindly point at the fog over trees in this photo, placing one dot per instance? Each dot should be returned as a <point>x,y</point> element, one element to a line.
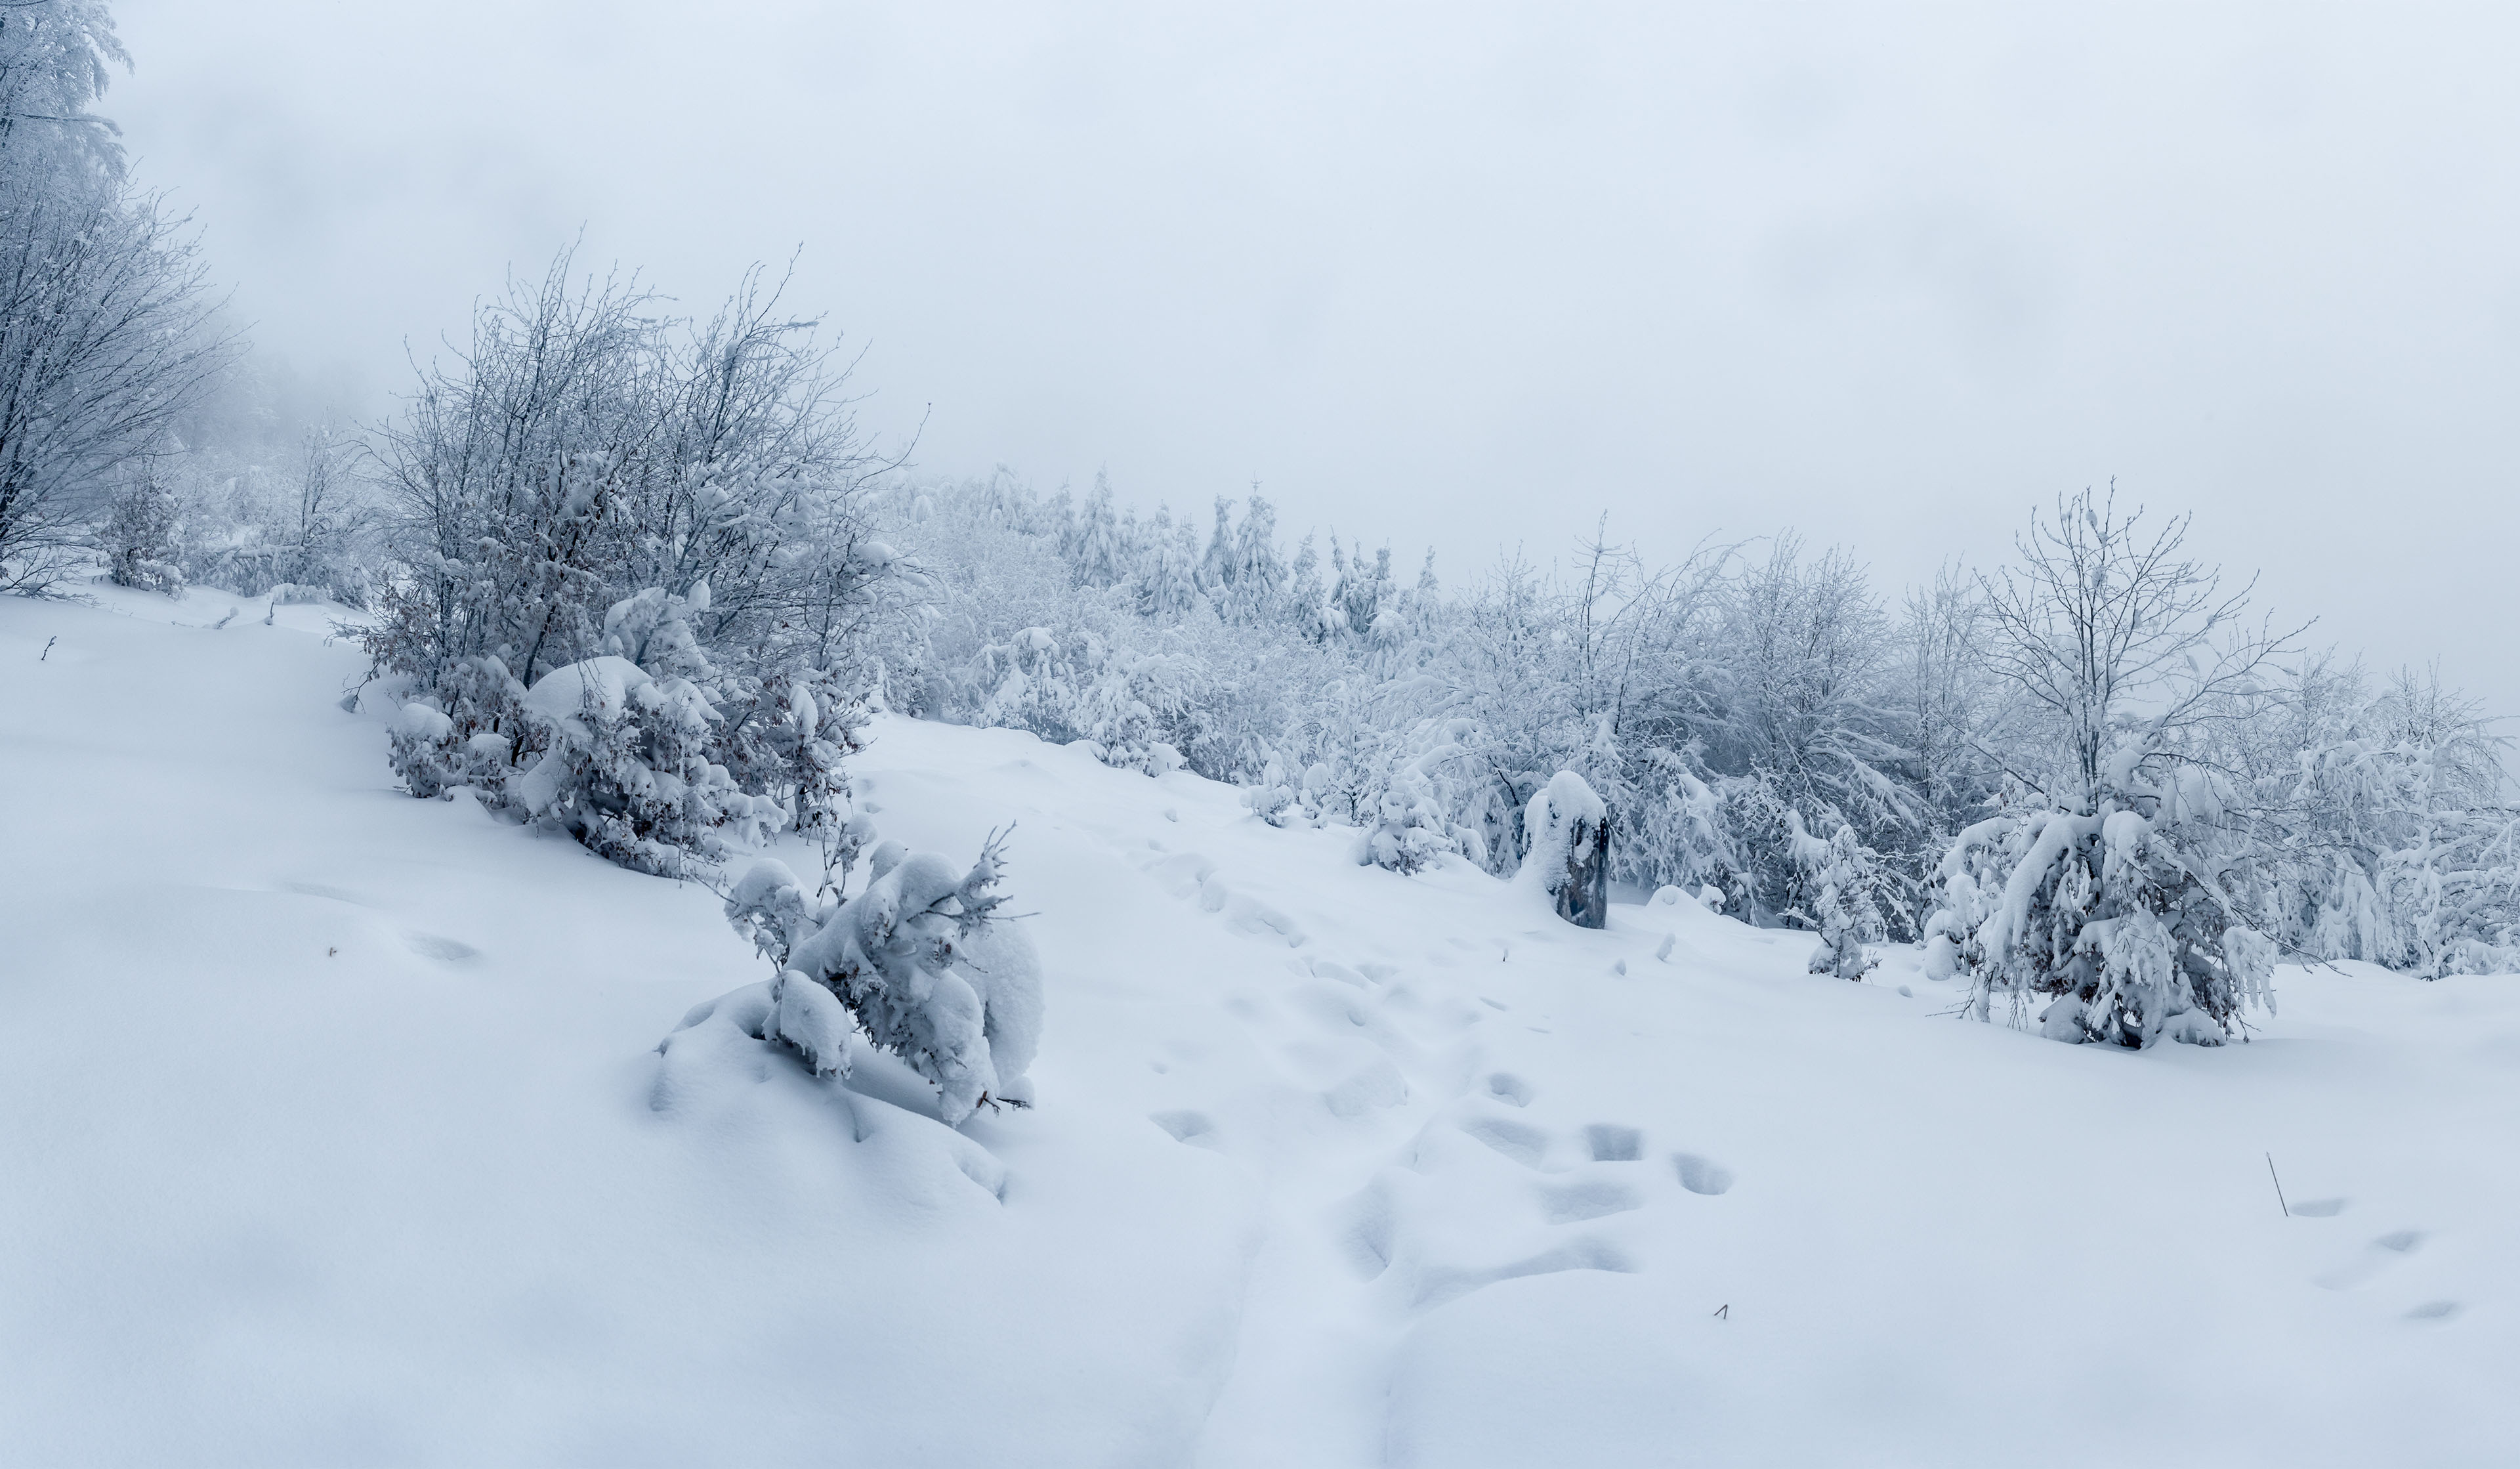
<point>2095,779</point>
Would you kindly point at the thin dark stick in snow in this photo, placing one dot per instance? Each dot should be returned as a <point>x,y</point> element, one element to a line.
<point>47,654</point>
<point>2279,1198</point>
<point>1724,1313</point>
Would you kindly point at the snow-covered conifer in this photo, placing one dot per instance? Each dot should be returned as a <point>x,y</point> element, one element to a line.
<point>140,536</point>
<point>921,960</point>
<point>2116,901</point>
<point>1842,879</point>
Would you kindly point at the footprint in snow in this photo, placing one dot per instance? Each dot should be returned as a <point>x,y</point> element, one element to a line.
<point>443,949</point>
<point>1589,1199</point>
<point>1432,1287</point>
<point>1520,1141</point>
<point>1610,1142</point>
<point>2377,1257</point>
<point>1194,1127</point>
<point>1508,1089</point>
<point>2319,1209</point>
<point>1701,1175</point>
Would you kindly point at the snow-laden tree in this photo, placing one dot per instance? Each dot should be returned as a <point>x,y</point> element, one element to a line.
<point>2381,817</point>
<point>2111,898</point>
<point>1800,734</point>
<point>593,481</point>
<point>55,57</point>
<point>107,337</point>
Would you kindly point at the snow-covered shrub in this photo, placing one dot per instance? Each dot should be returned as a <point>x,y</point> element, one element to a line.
<point>626,770</point>
<point>1842,878</point>
<point>1570,857</point>
<point>139,539</point>
<point>474,732</point>
<point>424,750</point>
<point>921,960</point>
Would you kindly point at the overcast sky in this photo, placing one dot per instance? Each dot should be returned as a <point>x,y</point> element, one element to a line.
<point>1469,274</point>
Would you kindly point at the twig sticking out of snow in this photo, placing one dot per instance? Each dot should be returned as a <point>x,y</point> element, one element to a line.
<point>2279,1198</point>
<point>47,654</point>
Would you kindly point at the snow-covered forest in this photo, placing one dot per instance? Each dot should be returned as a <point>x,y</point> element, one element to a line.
<point>622,637</point>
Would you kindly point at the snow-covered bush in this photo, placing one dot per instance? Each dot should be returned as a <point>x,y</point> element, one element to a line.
<point>474,732</point>
<point>139,538</point>
<point>921,960</point>
<point>626,769</point>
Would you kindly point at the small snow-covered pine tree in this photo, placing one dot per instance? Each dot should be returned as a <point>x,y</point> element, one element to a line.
<point>1843,879</point>
<point>921,960</point>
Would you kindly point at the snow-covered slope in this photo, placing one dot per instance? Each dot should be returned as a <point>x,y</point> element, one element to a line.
<point>332,1133</point>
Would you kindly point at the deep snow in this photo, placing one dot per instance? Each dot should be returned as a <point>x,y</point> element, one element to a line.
<point>334,1134</point>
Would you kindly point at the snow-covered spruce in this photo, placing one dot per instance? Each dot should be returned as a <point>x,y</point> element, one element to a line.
<point>1843,881</point>
<point>921,960</point>
<point>2115,916</point>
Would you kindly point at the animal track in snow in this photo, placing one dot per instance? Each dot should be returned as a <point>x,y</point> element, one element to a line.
<point>2319,1209</point>
<point>1701,1175</point>
<point>2434,1310</point>
<point>1612,1143</point>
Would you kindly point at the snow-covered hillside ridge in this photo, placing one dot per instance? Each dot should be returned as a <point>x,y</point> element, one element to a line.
<point>336,1133</point>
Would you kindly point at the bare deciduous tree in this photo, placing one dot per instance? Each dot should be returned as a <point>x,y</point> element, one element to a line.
<point>106,334</point>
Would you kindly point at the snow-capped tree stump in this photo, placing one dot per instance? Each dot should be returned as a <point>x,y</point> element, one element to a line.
<point>1584,896</point>
<point>1569,855</point>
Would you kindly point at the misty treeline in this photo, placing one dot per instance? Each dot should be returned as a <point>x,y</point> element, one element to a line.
<point>2089,779</point>
<point>134,432</point>
<point>2071,775</point>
